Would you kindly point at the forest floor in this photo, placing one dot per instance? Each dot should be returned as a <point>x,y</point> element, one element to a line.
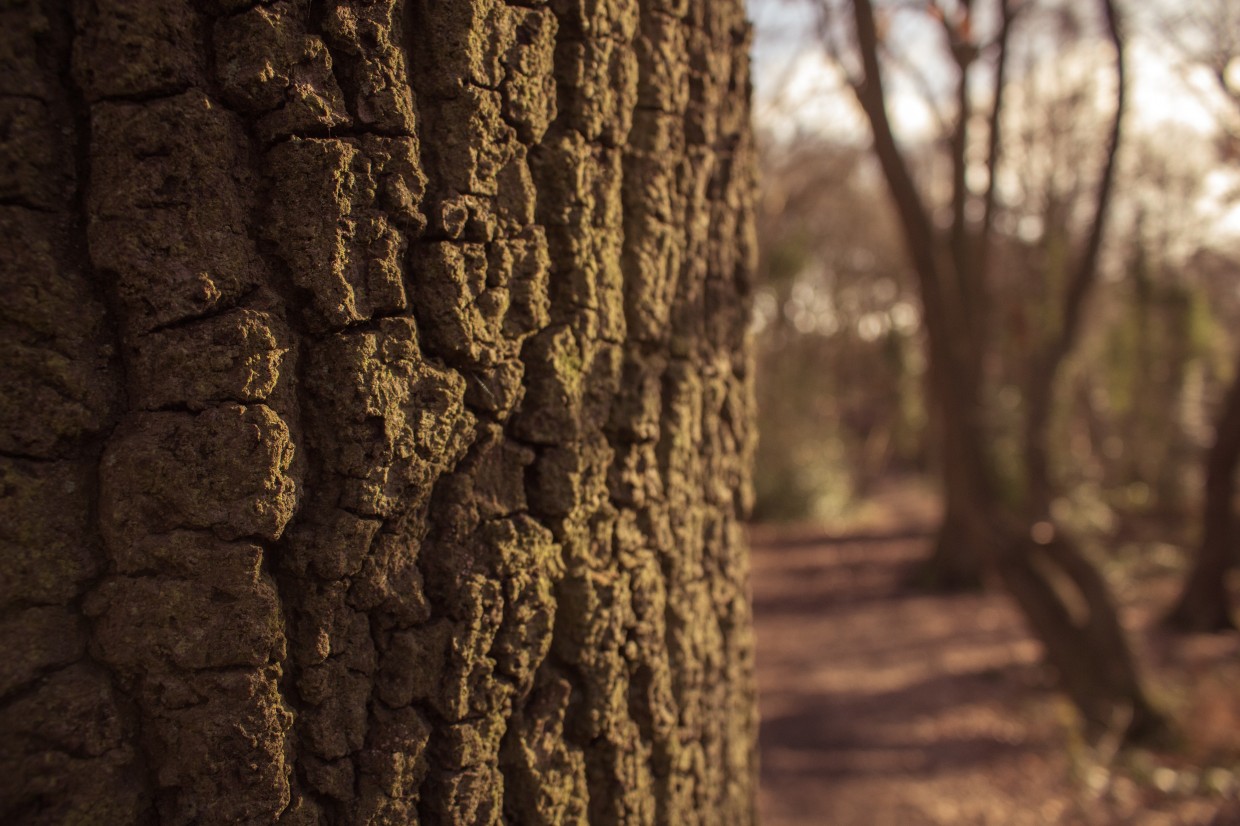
<point>882,705</point>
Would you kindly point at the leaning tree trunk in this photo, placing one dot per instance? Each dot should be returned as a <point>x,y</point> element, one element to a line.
<point>376,412</point>
<point>1205,604</point>
<point>1064,600</point>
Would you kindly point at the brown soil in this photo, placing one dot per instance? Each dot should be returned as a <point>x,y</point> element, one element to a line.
<point>883,705</point>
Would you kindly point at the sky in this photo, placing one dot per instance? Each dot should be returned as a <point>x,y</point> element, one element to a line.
<point>799,90</point>
<point>795,82</point>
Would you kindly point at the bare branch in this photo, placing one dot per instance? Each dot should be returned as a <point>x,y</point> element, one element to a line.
<point>1085,274</point>
<point>995,125</point>
<point>960,185</point>
<point>918,229</point>
<point>827,34</point>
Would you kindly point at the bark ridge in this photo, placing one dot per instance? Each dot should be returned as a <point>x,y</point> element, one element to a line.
<point>377,425</point>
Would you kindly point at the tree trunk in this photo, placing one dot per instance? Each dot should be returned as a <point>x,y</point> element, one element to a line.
<point>1205,604</point>
<point>955,563</point>
<point>377,425</point>
<point>1063,599</point>
<point>1068,607</point>
<point>1065,602</point>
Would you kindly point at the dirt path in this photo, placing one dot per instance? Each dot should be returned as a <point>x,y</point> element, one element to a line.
<point>884,706</point>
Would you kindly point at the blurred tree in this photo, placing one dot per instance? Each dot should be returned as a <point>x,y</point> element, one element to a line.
<point>1010,532</point>
<point>1130,435</point>
<point>1205,603</point>
<point>1207,34</point>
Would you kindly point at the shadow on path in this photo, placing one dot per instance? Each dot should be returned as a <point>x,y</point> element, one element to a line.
<point>876,698</point>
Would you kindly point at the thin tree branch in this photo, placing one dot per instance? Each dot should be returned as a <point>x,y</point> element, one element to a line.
<point>965,279</point>
<point>826,34</point>
<point>1085,274</point>
<point>994,148</point>
<point>910,207</point>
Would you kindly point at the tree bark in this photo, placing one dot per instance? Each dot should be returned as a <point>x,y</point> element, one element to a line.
<point>377,427</point>
<point>1205,604</point>
<point>955,563</point>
